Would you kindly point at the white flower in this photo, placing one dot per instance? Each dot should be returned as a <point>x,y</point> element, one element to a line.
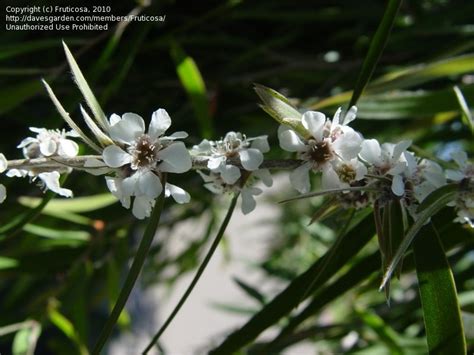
<point>49,180</point>
<point>142,157</point>
<point>387,159</point>
<point>145,155</point>
<point>216,184</point>
<point>49,142</point>
<point>327,142</point>
<point>465,175</point>
<point>247,151</point>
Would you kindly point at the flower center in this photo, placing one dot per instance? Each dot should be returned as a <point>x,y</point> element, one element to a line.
<point>346,173</point>
<point>320,152</point>
<point>144,152</point>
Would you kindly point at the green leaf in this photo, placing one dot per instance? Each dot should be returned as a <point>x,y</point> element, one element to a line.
<point>432,204</point>
<point>250,290</point>
<point>133,273</point>
<point>65,325</point>
<point>357,273</point>
<point>321,271</point>
<point>65,116</point>
<point>8,263</point>
<point>75,205</point>
<point>281,109</point>
<point>386,334</point>
<point>376,48</point>
<point>193,83</point>
<point>25,340</point>
<point>197,276</point>
<point>14,95</point>
<point>66,235</point>
<point>421,73</point>
<point>89,96</point>
<point>466,113</point>
<point>443,324</point>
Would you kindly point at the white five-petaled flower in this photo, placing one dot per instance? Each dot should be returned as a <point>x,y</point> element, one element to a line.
<point>387,159</point>
<point>49,142</point>
<point>465,202</point>
<point>215,183</point>
<point>330,148</point>
<point>234,146</point>
<point>142,157</point>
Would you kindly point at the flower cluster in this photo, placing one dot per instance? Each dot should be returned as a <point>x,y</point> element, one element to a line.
<point>233,164</point>
<point>46,144</point>
<point>360,171</point>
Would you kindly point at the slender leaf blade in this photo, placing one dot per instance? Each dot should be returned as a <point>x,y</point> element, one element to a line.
<point>375,50</point>
<point>441,312</point>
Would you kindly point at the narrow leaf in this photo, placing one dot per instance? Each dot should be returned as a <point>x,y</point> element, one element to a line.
<point>432,204</point>
<point>466,113</point>
<point>281,109</point>
<point>322,270</point>
<point>133,274</point>
<point>193,83</point>
<point>65,115</point>
<point>439,300</point>
<point>375,50</point>
<point>82,84</point>
<point>197,276</point>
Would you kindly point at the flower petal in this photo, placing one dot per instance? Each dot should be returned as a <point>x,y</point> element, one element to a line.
<point>261,143</point>
<point>215,163</point>
<point>160,122</point>
<point>350,115</point>
<point>178,194</point>
<point>400,148</point>
<point>150,184</point>
<point>51,181</point>
<point>330,179</point>
<point>348,145</point>
<point>128,128</point>
<point>115,156</point>
<point>248,202</point>
<point>299,178</point>
<point>314,122</point>
<point>3,163</point>
<point>289,140</point>
<point>265,176</point>
<point>398,186</point>
<point>251,158</point>
<point>176,158</point>
<point>48,147</point>
<point>230,174</point>
<point>115,187</point>
<point>114,119</point>
<point>460,157</point>
<point>3,193</point>
<point>371,151</point>
<point>176,135</point>
<point>142,206</point>
<point>454,175</point>
<point>130,184</point>
<point>68,148</point>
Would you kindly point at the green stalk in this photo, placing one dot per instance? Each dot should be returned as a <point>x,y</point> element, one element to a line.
<point>196,278</point>
<point>132,276</point>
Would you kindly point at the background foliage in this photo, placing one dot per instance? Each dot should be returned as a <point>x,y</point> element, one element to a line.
<point>61,273</point>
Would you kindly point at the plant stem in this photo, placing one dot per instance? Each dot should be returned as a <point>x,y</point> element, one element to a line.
<point>197,276</point>
<point>132,276</point>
